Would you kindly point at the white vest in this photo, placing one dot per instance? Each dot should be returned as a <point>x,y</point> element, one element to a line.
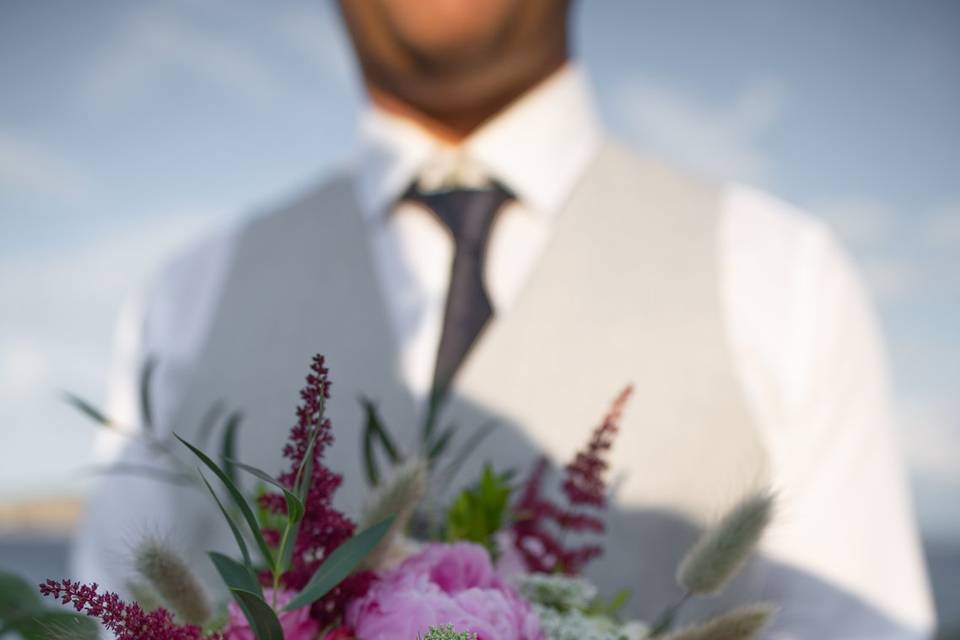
<point>626,292</point>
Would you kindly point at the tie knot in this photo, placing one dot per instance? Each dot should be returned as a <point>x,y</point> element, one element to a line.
<point>467,212</point>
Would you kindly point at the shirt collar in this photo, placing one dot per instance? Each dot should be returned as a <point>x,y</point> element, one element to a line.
<point>537,147</point>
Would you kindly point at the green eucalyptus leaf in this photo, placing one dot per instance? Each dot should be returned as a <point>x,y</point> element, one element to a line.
<point>340,564</point>
<point>608,608</point>
<point>305,473</point>
<point>617,602</point>
<point>465,451</point>
<point>241,543</point>
<point>18,597</point>
<point>436,450</point>
<point>234,574</point>
<point>154,473</point>
<point>375,424</point>
<point>369,457</point>
<point>287,545</point>
<point>470,445</point>
<point>238,499</point>
<point>228,447</point>
<point>207,423</point>
<point>53,624</point>
<point>87,409</point>
<point>304,477</point>
<point>434,403</point>
<point>146,404</point>
<point>261,617</point>
<point>295,507</point>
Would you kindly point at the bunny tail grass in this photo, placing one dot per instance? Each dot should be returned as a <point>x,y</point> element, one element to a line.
<point>145,596</point>
<point>722,550</point>
<point>743,623</point>
<point>173,581</point>
<point>398,497</point>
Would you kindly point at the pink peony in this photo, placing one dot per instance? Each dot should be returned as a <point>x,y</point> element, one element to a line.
<point>339,633</point>
<point>297,625</point>
<point>510,562</point>
<point>443,584</point>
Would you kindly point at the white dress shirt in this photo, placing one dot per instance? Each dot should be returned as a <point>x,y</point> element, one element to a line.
<point>803,338</point>
<point>539,164</point>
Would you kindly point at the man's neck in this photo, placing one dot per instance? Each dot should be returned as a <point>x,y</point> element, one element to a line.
<point>455,126</point>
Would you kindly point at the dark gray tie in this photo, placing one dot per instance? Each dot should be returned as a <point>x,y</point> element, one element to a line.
<point>468,214</point>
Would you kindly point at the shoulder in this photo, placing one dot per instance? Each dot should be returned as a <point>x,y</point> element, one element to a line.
<point>763,230</point>
<point>185,289</point>
<point>320,201</point>
<point>754,226</point>
<point>792,298</point>
<point>206,256</point>
<point>770,246</point>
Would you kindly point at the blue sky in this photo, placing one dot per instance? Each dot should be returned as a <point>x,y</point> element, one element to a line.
<point>128,128</point>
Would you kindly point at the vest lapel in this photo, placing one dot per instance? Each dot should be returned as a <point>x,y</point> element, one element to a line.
<point>627,292</point>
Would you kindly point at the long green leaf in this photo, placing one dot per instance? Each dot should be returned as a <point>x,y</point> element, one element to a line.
<point>375,432</point>
<point>146,405</point>
<point>468,447</point>
<point>228,447</point>
<point>304,476</point>
<point>370,457</point>
<point>237,498</point>
<point>17,597</point>
<point>375,424</point>
<point>24,611</point>
<point>437,448</point>
<point>234,574</point>
<point>87,409</point>
<point>233,525</point>
<point>262,619</point>
<point>341,562</point>
<point>437,396</point>
<point>163,475</point>
<point>52,624</point>
<point>294,504</point>
<point>288,544</point>
<point>207,423</point>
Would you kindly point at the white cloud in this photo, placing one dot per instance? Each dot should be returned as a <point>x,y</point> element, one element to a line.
<point>868,228</point>
<point>860,222</point>
<point>901,253</point>
<point>891,280</point>
<point>316,33</point>
<point>29,166</point>
<point>718,141</point>
<point>931,440</point>
<point>942,227</point>
<point>152,42</point>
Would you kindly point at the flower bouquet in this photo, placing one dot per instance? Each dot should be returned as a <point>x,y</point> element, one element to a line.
<point>493,564</point>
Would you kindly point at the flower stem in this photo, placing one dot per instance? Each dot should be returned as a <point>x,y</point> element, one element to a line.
<point>666,619</point>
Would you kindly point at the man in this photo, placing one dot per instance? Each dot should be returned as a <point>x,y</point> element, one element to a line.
<point>491,242</point>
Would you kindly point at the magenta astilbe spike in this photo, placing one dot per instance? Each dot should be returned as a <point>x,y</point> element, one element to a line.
<point>583,487</point>
<point>125,621</point>
<point>584,483</point>
<point>323,528</point>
